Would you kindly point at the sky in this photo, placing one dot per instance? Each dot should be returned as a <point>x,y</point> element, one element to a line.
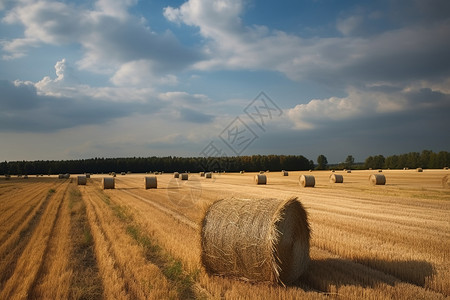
<point>124,78</point>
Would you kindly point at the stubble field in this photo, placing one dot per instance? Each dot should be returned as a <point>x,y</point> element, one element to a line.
<point>59,240</point>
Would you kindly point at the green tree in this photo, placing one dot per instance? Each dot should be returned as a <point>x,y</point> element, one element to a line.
<point>322,162</point>
<point>349,161</point>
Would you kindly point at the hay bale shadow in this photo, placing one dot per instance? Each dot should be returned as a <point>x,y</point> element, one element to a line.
<point>325,273</point>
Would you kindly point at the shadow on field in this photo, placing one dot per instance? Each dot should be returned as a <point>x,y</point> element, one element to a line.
<point>323,273</point>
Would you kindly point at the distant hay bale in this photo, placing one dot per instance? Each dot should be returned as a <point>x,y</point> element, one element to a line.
<point>261,172</point>
<point>310,170</point>
<point>208,175</point>
<point>307,181</point>
<point>445,168</point>
<point>380,170</point>
<point>336,178</point>
<point>377,179</point>
<point>370,168</point>
<point>7,177</point>
<point>202,174</point>
<point>256,240</point>
<point>260,179</point>
<point>81,180</point>
<point>60,176</point>
<point>88,175</point>
<point>113,174</point>
<point>419,170</point>
<point>66,176</point>
<point>349,171</point>
<point>176,175</point>
<point>122,173</point>
<point>108,183</point>
<point>25,176</point>
<point>241,172</point>
<point>184,176</point>
<point>446,181</point>
<point>267,171</point>
<point>150,182</point>
<point>332,171</point>
<point>285,173</point>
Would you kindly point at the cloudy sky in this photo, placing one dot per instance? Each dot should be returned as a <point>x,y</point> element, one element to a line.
<point>120,78</point>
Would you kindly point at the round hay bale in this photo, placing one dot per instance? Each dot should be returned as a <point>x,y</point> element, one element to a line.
<point>208,175</point>
<point>81,180</point>
<point>150,182</point>
<point>336,178</point>
<point>66,176</point>
<point>122,173</point>
<point>419,170</point>
<point>108,183</point>
<point>113,174</point>
<point>380,170</point>
<point>88,175</point>
<point>260,179</point>
<point>241,172</point>
<point>261,172</point>
<point>446,181</point>
<point>310,170</point>
<point>256,240</point>
<point>377,179</point>
<point>307,181</point>
<point>202,174</point>
<point>7,177</point>
<point>176,175</point>
<point>60,176</point>
<point>285,173</point>
<point>349,171</point>
<point>184,176</point>
<point>445,168</point>
<point>333,171</point>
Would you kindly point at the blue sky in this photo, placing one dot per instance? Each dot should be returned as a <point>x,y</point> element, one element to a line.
<point>109,78</point>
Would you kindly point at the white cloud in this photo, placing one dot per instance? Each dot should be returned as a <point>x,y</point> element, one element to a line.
<point>360,103</point>
<point>349,25</point>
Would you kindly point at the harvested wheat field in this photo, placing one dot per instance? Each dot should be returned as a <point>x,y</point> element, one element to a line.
<point>60,240</point>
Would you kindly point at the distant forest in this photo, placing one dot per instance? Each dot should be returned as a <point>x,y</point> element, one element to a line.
<point>425,159</point>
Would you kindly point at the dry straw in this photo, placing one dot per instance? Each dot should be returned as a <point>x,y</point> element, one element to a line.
<point>446,181</point>
<point>176,175</point>
<point>150,182</point>
<point>256,240</point>
<point>184,176</point>
<point>108,183</point>
<point>307,181</point>
<point>81,180</point>
<point>336,178</point>
<point>208,175</point>
<point>260,179</point>
<point>377,179</point>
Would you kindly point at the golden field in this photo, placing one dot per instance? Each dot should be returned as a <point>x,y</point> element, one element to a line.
<point>59,240</point>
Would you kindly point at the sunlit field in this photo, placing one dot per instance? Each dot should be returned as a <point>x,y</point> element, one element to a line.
<point>60,240</point>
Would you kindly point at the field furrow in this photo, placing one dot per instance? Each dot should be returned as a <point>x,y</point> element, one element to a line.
<point>29,263</point>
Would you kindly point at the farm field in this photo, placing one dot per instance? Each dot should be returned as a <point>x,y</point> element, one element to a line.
<point>59,240</point>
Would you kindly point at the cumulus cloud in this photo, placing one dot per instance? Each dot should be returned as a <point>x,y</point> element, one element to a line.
<point>108,35</point>
<point>398,53</point>
<point>368,103</point>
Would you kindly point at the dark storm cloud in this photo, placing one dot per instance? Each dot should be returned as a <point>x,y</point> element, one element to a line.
<point>22,109</point>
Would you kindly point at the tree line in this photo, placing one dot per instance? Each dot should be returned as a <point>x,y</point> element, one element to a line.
<point>166,164</point>
<point>426,159</point>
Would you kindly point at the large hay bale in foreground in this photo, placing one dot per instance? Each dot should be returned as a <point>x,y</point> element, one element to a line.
<point>150,182</point>
<point>307,181</point>
<point>81,180</point>
<point>260,179</point>
<point>446,181</point>
<point>336,178</point>
<point>377,179</point>
<point>257,240</point>
<point>108,183</point>
<point>184,176</point>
